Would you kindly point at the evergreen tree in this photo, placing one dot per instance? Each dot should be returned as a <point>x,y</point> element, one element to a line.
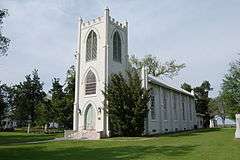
<point>126,104</point>
<point>186,87</point>
<point>69,98</point>
<point>58,101</point>
<point>201,99</point>
<point>45,113</point>
<point>26,96</point>
<point>3,104</point>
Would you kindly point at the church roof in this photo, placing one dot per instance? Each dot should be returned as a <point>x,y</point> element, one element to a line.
<point>156,81</point>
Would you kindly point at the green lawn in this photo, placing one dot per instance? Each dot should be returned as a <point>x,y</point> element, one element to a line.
<point>12,138</point>
<point>216,144</point>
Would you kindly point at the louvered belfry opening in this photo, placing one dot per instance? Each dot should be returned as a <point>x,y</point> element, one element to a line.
<point>90,83</point>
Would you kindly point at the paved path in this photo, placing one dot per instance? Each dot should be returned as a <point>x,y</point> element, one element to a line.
<point>45,141</point>
<point>107,139</point>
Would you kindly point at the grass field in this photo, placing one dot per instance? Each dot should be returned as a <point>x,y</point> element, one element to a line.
<point>215,144</point>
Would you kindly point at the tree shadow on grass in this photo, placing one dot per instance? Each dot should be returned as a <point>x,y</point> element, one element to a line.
<point>191,133</point>
<point>13,139</point>
<point>95,153</point>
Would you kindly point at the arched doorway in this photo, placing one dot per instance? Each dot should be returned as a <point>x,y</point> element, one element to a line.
<point>90,117</point>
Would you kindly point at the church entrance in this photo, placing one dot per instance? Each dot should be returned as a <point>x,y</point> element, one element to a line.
<point>90,118</point>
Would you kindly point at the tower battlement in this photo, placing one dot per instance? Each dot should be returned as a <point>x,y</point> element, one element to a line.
<point>101,19</point>
<point>93,22</point>
<point>118,24</point>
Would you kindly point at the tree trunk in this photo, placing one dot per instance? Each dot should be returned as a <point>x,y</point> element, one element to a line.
<point>223,120</point>
<point>28,128</point>
<point>45,128</point>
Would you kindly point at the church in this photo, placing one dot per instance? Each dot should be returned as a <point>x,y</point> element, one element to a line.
<point>102,50</point>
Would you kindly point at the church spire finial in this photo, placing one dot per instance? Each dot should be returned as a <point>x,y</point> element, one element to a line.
<point>80,19</point>
<point>107,10</point>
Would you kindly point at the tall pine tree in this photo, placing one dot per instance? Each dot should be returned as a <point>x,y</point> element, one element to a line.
<point>126,104</point>
<point>69,98</point>
<point>58,101</point>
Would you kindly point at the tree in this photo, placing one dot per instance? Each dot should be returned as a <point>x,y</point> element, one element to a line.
<point>217,107</point>
<point>26,96</point>
<point>186,87</point>
<point>126,104</point>
<point>4,41</point>
<point>155,67</point>
<point>231,89</point>
<point>69,97</point>
<point>201,99</point>
<point>3,104</point>
<point>45,113</point>
<point>58,101</point>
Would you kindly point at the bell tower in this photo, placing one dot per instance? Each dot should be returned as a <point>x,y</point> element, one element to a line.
<point>102,49</point>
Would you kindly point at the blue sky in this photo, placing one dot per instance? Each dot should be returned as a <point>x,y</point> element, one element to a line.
<point>203,34</point>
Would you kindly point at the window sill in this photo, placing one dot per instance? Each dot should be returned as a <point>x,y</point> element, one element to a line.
<point>117,61</point>
<point>92,95</point>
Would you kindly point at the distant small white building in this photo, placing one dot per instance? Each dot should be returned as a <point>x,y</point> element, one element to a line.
<point>8,123</point>
<point>102,51</point>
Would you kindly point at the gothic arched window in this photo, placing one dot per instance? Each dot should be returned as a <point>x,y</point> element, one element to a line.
<point>90,83</point>
<point>91,53</point>
<point>117,47</point>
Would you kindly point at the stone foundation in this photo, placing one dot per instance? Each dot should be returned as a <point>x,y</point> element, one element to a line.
<point>83,134</point>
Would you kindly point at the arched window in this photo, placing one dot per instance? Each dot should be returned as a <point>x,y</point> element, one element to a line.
<point>90,83</point>
<point>91,53</point>
<point>117,47</point>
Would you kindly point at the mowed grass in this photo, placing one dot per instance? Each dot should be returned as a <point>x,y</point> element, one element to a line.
<point>11,138</point>
<point>212,144</point>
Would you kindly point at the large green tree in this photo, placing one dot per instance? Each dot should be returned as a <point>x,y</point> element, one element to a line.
<point>231,89</point>
<point>69,98</point>
<point>45,113</point>
<point>3,103</point>
<point>202,99</point>
<point>4,41</point>
<point>26,96</point>
<point>58,101</point>
<point>126,104</point>
<point>155,67</point>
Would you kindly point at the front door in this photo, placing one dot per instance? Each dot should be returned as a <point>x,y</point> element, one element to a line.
<point>90,118</point>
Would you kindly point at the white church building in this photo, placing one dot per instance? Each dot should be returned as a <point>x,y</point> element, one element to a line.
<point>103,50</point>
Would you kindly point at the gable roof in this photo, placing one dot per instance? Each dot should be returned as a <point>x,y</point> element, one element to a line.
<point>155,81</point>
